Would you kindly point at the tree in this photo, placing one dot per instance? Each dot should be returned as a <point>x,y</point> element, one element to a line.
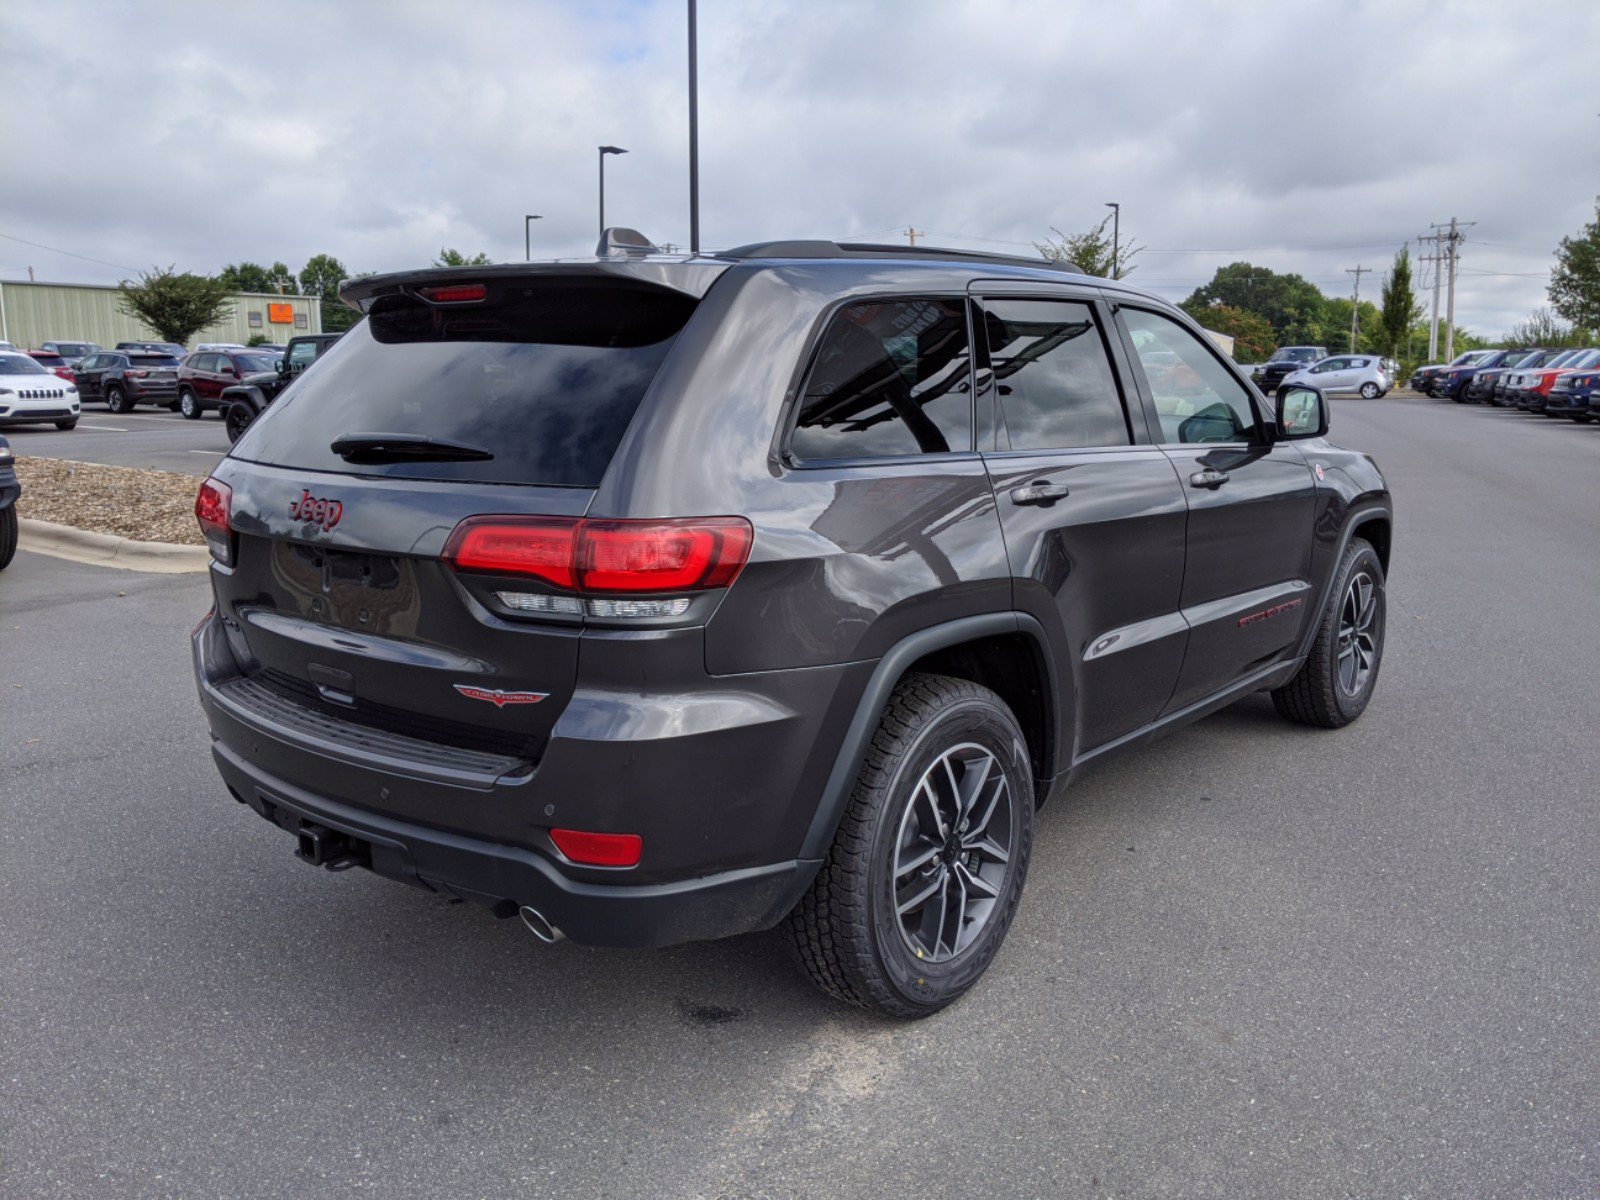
<point>177,306</point>
<point>454,258</point>
<point>1294,307</point>
<point>321,278</point>
<point>1090,252</point>
<point>1252,336</point>
<point>1543,329</point>
<point>1575,281</point>
<point>283,280</point>
<point>1399,305</point>
<point>247,277</point>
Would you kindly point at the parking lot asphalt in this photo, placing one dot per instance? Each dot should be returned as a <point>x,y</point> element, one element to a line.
<point>146,437</point>
<point>1252,960</point>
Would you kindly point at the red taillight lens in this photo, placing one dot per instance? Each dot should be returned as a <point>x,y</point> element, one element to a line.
<point>606,556</point>
<point>599,849</point>
<point>137,374</point>
<point>456,293</point>
<point>544,547</point>
<point>211,508</point>
<point>65,373</point>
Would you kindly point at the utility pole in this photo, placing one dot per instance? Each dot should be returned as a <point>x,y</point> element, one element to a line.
<point>1116,237</point>
<point>913,234</point>
<point>1355,303</point>
<point>1433,322</point>
<point>1451,237</point>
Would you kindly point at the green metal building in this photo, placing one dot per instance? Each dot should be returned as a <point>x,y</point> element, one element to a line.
<point>31,313</point>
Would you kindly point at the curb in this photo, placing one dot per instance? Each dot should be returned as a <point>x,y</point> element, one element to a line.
<point>109,550</point>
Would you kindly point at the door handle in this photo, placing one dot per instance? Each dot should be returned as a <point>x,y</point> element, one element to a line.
<point>1209,478</point>
<point>1039,492</point>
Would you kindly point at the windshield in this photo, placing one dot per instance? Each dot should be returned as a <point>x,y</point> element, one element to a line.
<point>1586,359</point>
<point>75,349</point>
<point>546,376</point>
<point>18,364</point>
<point>1295,354</point>
<point>48,360</point>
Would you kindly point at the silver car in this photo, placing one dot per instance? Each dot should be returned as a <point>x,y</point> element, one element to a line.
<point>1361,374</point>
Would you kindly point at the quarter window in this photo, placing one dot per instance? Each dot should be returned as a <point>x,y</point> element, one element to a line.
<point>1053,374</point>
<point>1196,397</point>
<point>891,377</point>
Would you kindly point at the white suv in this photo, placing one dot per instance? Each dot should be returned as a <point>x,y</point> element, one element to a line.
<point>1362,374</point>
<point>32,395</point>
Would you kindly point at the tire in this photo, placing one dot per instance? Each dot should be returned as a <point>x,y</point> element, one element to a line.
<point>8,535</point>
<point>65,425</point>
<point>237,418</point>
<point>847,933</point>
<point>1581,418</point>
<point>1369,391</point>
<point>189,405</point>
<point>1332,689</point>
<point>117,400</point>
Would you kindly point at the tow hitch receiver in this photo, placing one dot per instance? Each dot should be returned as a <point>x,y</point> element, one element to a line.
<point>324,847</point>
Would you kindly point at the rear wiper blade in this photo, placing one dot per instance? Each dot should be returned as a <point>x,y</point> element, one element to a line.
<point>404,447</point>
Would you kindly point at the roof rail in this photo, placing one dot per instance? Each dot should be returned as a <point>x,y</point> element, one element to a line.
<point>818,248</point>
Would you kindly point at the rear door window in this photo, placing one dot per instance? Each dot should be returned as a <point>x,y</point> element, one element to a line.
<point>544,375</point>
<point>1053,375</point>
<point>890,378</point>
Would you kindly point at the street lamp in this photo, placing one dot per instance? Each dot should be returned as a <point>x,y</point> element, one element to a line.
<point>527,234</point>
<point>605,150</point>
<point>1116,230</point>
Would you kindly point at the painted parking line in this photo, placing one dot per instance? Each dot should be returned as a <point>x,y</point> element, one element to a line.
<point>105,428</point>
<point>208,452</point>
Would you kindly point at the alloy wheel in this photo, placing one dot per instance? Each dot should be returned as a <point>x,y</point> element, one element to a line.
<point>1360,627</point>
<point>952,852</point>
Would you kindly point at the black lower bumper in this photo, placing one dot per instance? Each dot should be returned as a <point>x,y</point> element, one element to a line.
<point>504,878</point>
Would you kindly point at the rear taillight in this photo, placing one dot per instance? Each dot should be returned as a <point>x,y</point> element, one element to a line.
<point>65,373</point>
<point>211,509</point>
<point>598,849</point>
<point>455,293</point>
<point>589,556</point>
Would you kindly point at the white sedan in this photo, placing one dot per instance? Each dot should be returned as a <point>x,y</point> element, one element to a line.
<point>1361,374</point>
<point>34,395</point>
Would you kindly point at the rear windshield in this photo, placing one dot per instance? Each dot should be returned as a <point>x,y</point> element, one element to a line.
<point>1295,354</point>
<point>544,375</point>
<point>76,349</point>
<point>152,360</point>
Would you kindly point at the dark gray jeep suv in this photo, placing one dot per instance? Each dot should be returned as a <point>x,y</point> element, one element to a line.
<point>665,598</point>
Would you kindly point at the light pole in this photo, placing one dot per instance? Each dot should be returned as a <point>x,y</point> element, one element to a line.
<point>694,137</point>
<point>527,234</point>
<point>1116,234</point>
<point>605,150</point>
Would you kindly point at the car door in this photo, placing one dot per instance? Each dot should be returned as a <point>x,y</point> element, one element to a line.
<point>227,375</point>
<point>1092,513</point>
<point>203,376</point>
<point>1247,591</point>
<point>1329,374</point>
<point>91,377</point>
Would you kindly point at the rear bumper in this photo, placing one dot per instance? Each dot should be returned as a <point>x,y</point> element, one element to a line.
<point>505,878</point>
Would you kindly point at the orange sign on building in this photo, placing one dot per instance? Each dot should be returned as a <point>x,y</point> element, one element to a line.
<point>280,314</point>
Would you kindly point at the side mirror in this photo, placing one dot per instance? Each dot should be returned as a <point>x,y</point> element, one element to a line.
<point>1302,412</point>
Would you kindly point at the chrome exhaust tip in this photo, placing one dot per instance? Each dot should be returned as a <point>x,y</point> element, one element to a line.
<point>538,926</point>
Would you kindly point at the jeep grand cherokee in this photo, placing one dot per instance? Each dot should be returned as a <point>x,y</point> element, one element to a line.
<point>664,598</point>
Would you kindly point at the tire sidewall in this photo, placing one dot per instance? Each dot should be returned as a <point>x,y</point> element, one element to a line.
<point>189,404</point>
<point>117,400</point>
<point>928,984</point>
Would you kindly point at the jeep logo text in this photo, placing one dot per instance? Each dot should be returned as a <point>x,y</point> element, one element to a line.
<point>322,513</point>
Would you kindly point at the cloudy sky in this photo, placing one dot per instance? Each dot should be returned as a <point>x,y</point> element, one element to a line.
<point>1309,137</point>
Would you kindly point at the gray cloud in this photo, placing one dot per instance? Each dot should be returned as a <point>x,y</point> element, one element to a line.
<point>1300,136</point>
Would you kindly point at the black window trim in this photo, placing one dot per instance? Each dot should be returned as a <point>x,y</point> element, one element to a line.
<point>1103,314</point>
<point>797,389</point>
<point>1152,416</point>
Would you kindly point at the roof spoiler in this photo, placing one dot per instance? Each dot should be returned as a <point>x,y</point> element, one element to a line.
<point>618,242</point>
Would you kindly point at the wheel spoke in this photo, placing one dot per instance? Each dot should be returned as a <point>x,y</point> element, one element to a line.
<point>980,826</point>
<point>989,848</point>
<point>920,896</point>
<point>976,775</point>
<point>972,882</point>
<point>904,868</point>
<point>944,913</point>
<point>926,790</point>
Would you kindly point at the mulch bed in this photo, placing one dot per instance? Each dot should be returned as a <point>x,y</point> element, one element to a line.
<point>149,506</point>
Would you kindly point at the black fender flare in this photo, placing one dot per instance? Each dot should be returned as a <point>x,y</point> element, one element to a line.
<point>875,699</point>
<point>247,395</point>
<point>1362,512</point>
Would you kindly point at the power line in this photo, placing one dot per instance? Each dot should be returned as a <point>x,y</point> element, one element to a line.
<point>57,250</point>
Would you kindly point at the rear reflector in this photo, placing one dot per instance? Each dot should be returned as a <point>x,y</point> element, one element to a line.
<point>598,849</point>
<point>457,293</point>
<point>212,505</point>
<point>605,556</point>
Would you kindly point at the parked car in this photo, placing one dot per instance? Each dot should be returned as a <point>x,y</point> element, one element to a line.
<point>1502,379</point>
<point>52,362</point>
<point>1284,362</point>
<point>171,348</point>
<point>203,376</point>
<point>1422,377</point>
<point>1451,383</point>
<point>760,616</point>
<point>10,489</point>
<point>1479,388</point>
<point>7,346</point>
<point>1536,385</point>
<point>73,352</point>
<point>1360,374</point>
<point>124,378</point>
<point>205,346</point>
<point>1573,395</point>
<point>34,395</point>
<point>1526,381</point>
<point>244,401</point>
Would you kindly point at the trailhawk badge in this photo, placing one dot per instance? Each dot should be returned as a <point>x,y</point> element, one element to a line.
<point>498,698</point>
